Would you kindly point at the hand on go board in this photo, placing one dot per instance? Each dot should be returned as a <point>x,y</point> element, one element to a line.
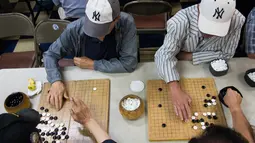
<point>182,103</point>
<point>80,112</point>
<point>233,100</point>
<point>84,62</point>
<point>56,93</point>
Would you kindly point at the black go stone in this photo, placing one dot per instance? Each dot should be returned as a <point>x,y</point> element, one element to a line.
<point>47,134</point>
<point>46,122</point>
<point>46,110</point>
<point>66,137</point>
<point>208,95</point>
<point>64,128</point>
<point>63,133</point>
<point>209,117</point>
<point>46,142</point>
<point>159,105</point>
<point>198,121</point>
<point>51,118</point>
<point>52,133</point>
<point>55,118</point>
<point>214,97</point>
<point>56,130</point>
<point>193,121</point>
<point>53,141</point>
<point>54,137</point>
<point>210,101</point>
<point>43,139</point>
<point>205,105</point>
<point>215,117</point>
<point>58,137</point>
<point>160,89</point>
<point>203,87</point>
<point>202,120</point>
<point>206,124</point>
<point>163,125</point>
<point>42,134</point>
<point>39,130</point>
<point>42,108</point>
<point>40,115</point>
<point>211,124</point>
<point>205,100</point>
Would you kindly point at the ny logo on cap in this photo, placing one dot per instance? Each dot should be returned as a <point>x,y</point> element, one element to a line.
<point>96,16</point>
<point>218,13</point>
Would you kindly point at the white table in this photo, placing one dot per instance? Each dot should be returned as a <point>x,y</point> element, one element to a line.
<point>123,131</point>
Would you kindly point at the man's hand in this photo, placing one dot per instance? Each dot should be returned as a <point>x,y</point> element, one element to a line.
<point>80,112</point>
<point>84,63</point>
<point>181,101</point>
<point>185,56</point>
<point>56,93</point>
<point>233,100</point>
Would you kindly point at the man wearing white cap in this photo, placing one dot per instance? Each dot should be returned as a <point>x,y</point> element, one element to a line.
<point>104,40</point>
<point>200,33</point>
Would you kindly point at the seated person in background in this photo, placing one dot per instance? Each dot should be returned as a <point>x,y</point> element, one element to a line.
<point>81,114</point>
<point>250,35</point>
<point>70,9</point>
<point>104,40</point>
<point>242,132</point>
<point>200,33</point>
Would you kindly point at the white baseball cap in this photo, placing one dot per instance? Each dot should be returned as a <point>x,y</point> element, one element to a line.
<point>215,16</point>
<point>98,16</point>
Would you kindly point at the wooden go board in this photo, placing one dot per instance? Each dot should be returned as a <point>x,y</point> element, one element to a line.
<point>163,124</point>
<point>97,101</point>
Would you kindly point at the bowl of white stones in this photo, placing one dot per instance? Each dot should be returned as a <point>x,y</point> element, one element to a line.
<point>131,107</point>
<point>250,77</point>
<point>219,67</point>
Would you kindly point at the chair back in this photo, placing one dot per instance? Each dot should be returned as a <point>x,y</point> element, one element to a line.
<point>147,7</point>
<point>49,31</point>
<point>15,24</point>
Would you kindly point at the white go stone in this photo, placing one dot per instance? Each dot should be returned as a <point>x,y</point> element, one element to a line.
<point>209,113</point>
<point>62,124</point>
<point>213,113</point>
<point>48,115</point>
<point>203,127</point>
<point>202,123</point>
<point>52,124</point>
<point>193,117</point>
<point>49,122</point>
<point>59,133</point>
<point>57,141</point>
<point>214,103</point>
<point>43,114</point>
<point>52,129</point>
<point>204,114</point>
<point>195,127</point>
<point>62,137</point>
<point>60,128</point>
<point>94,88</point>
<point>213,100</point>
<point>47,119</point>
<point>209,104</point>
<point>196,114</point>
<point>56,125</point>
<point>42,118</point>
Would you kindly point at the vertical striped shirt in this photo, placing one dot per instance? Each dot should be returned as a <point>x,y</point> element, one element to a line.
<point>250,33</point>
<point>183,35</point>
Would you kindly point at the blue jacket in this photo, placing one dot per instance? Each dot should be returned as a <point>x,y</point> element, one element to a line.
<point>71,43</point>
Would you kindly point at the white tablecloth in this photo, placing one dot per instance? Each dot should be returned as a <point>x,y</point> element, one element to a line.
<point>121,130</point>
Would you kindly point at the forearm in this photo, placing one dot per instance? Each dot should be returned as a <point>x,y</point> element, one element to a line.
<point>174,87</point>
<point>206,56</point>
<point>241,124</point>
<point>97,131</point>
<point>116,65</point>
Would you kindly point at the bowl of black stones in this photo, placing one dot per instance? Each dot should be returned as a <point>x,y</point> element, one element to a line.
<point>219,67</point>
<point>16,102</point>
<point>249,77</point>
<point>223,93</point>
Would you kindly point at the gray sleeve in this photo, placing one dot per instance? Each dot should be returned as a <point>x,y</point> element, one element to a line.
<point>60,48</point>
<point>127,61</point>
